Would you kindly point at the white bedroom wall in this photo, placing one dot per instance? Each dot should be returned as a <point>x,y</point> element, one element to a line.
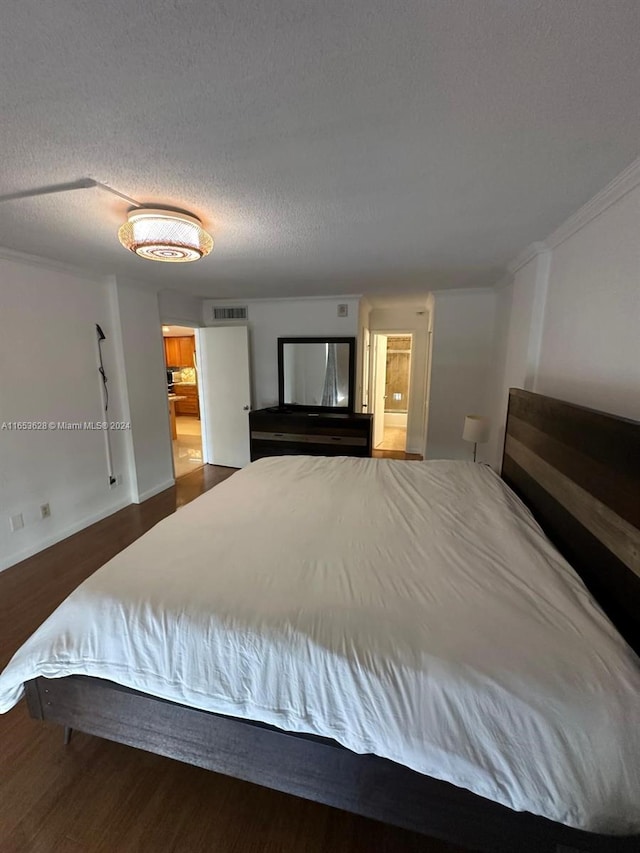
<point>462,370</point>
<point>518,330</point>
<point>180,309</point>
<point>48,357</point>
<point>146,388</point>
<point>590,345</point>
<point>573,309</point>
<point>497,393</point>
<point>269,319</point>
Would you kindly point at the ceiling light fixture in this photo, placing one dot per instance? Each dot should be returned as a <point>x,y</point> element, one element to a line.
<point>165,235</point>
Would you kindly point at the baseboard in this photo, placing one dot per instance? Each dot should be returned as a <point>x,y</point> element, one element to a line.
<point>87,521</point>
<point>150,493</point>
<point>395,419</point>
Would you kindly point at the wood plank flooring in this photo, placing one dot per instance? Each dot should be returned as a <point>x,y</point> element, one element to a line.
<point>396,454</point>
<point>94,796</point>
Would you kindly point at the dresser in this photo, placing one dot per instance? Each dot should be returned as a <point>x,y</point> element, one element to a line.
<point>278,432</point>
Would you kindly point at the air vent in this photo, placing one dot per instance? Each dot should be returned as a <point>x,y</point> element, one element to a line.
<point>229,312</point>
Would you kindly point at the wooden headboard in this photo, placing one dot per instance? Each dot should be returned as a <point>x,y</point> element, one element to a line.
<point>578,471</point>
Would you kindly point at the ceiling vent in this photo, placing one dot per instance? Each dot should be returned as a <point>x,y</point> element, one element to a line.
<point>229,312</point>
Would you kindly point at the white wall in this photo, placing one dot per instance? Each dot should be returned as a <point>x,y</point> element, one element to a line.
<point>48,359</point>
<point>572,309</point>
<point>270,319</point>
<point>146,388</point>
<point>499,383</point>
<point>180,309</point>
<point>462,370</point>
<point>518,332</point>
<point>590,346</point>
<point>414,319</point>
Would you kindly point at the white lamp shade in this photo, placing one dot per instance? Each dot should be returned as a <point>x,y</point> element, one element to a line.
<point>476,429</point>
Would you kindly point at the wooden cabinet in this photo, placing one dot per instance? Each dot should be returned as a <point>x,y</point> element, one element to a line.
<point>178,352</point>
<point>278,433</point>
<point>171,352</point>
<point>190,406</point>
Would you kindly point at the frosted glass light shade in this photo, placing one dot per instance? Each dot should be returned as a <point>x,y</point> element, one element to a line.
<point>161,235</point>
<point>476,429</point>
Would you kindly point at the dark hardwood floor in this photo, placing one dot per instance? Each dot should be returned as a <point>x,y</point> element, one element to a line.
<point>396,454</point>
<point>94,795</point>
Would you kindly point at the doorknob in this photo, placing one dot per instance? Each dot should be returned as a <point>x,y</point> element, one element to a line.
<point>245,408</point>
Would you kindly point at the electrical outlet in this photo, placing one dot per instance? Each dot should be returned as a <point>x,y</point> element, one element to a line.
<point>115,481</point>
<point>16,522</point>
<point>45,511</point>
<point>343,310</point>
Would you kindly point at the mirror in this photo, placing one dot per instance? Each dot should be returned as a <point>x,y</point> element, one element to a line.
<point>316,373</point>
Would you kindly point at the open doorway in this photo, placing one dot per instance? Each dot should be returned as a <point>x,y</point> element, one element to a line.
<point>391,370</point>
<point>183,398</point>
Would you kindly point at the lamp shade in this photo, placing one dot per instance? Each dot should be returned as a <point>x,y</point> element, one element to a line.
<point>476,429</point>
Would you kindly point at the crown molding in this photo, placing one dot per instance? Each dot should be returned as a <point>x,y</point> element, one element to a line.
<point>622,184</point>
<point>505,281</point>
<point>462,291</point>
<point>251,300</point>
<point>48,264</point>
<point>532,251</point>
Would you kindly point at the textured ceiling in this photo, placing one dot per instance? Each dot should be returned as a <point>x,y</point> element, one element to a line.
<point>330,147</point>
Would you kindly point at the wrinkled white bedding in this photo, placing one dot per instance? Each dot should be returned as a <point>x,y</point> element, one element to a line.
<point>407,609</point>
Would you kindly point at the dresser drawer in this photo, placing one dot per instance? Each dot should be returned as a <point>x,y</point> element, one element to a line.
<point>310,438</point>
<point>260,449</point>
<point>275,433</point>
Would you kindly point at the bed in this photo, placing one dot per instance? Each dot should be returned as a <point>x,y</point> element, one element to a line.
<point>332,664</point>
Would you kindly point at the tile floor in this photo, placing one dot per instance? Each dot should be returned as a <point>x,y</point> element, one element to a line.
<point>395,438</point>
<point>187,448</point>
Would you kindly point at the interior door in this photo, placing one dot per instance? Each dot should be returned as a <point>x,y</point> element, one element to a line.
<point>379,380</point>
<point>366,369</point>
<point>223,366</point>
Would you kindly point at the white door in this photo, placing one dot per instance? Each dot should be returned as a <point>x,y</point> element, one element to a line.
<point>226,394</point>
<point>380,381</point>
<point>366,369</point>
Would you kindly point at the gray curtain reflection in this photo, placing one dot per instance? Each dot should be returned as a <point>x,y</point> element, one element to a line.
<point>330,390</point>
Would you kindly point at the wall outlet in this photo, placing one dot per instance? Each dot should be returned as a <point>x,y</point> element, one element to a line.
<point>45,511</point>
<point>343,310</point>
<point>16,522</point>
<point>115,481</point>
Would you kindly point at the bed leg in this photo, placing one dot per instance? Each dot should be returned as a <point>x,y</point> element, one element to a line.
<point>68,731</point>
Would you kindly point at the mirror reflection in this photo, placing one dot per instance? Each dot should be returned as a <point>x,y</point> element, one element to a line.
<point>316,374</point>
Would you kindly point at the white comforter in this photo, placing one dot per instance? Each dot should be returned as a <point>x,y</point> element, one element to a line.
<point>411,610</point>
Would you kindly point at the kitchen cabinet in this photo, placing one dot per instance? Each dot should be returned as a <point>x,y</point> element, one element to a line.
<point>178,352</point>
<point>188,404</point>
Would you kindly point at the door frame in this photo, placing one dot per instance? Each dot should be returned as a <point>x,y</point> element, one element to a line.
<point>373,379</point>
<point>204,424</point>
<point>196,332</point>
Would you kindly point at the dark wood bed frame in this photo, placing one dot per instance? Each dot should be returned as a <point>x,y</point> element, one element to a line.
<point>579,472</point>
